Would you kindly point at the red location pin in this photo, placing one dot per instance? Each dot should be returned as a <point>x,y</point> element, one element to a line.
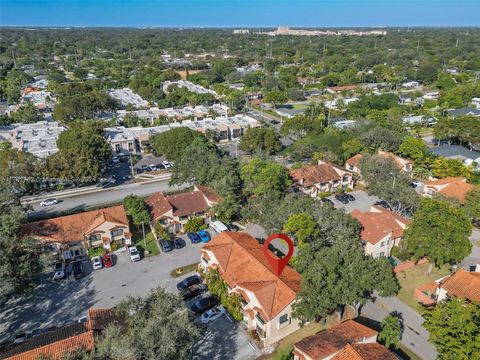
<point>278,264</point>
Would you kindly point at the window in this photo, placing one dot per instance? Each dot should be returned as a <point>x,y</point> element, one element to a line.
<point>94,237</point>
<point>283,319</point>
<point>259,318</point>
<point>117,232</point>
<point>382,244</point>
<point>130,147</point>
<point>118,148</point>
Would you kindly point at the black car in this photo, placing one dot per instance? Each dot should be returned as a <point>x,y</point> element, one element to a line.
<point>192,291</point>
<point>189,281</point>
<point>350,197</point>
<point>178,243</point>
<point>260,240</point>
<point>342,198</point>
<point>232,227</point>
<point>274,122</point>
<point>327,201</point>
<point>204,304</point>
<point>383,204</point>
<point>78,271</point>
<point>166,246</point>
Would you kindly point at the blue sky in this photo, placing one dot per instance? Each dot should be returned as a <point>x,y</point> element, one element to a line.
<point>235,13</point>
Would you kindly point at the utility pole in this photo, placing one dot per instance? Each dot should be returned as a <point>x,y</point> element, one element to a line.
<point>476,77</point>
<point>418,44</point>
<point>375,47</point>
<point>456,43</point>
<point>76,57</point>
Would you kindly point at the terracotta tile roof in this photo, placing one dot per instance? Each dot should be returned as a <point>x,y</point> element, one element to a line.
<point>53,343</point>
<point>372,351</point>
<point>182,204</point>
<point>74,227</point>
<point>329,342</point>
<point>463,284</point>
<point>373,228</point>
<point>98,319</point>
<point>315,174</point>
<point>456,188</point>
<point>242,263</point>
<point>342,88</point>
<point>209,193</point>
<point>354,160</point>
<point>401,162</point>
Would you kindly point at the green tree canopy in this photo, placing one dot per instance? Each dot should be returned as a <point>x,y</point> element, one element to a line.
<point>413,148</point>
<point>26,114</point>
<point>443,167</point>
<point>261,140</point>
<point>454,328</point>
<point>440,230</point>
<point>302,227</point>
<point>472,203</point>
<point>261,177</point>
<point>172,143</point>
<point>136,208</point>
<point>391,331</point>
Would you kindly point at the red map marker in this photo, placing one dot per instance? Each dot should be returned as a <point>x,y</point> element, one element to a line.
<point>278,264</point>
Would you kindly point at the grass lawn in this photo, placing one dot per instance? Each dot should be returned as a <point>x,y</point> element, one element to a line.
<point>151,243</point>
<point>184,270</point>
<point>299,106</point>
<point>414,277</point>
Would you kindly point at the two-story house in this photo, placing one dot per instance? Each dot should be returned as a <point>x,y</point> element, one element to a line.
<point>382,229</point>
<point>347,340</point>
<point>173,211</point>
<point>72,235</point>
<point>266,298</point>
<point>323,177</point>
<point>450,187</point>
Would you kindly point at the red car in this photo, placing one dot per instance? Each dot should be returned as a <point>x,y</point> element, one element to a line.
<point>107,261</point>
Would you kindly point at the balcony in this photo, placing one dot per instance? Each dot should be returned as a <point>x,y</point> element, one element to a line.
<point>261,333</point>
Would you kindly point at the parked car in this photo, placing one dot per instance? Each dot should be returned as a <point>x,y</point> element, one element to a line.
<point>232,227</point>
<point>219,226</point>
<point>78,271</point>
<point>192,291</point>
<point>213,314</point>
<point>342,198</point>
<point>106,183</point>
<point>115,160</point>
<point>37,332</point>
<point>274,122</point>
<point>189,281</point>
<point>350,197</point>
<point>327,201</point>
<point>178,243</point>
<point>204,236</point>
<point>59,266</point>
<point>204,304</point>
<point>416,183</point>
<point>260,240</point>
<point>82,319</point>
<point>21,337</point>
<point>166,164</point>
<point>133,253</point>
<point>166,246</point>
<point>382,203</point>
<point>48,202</point>
<point>107,261</point>
<point>97,262</point>
<point>194,238</point>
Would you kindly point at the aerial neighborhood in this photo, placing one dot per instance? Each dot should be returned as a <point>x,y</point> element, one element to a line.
<point>148,176</point>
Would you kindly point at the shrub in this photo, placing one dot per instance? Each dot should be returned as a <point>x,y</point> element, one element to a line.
<point>195,224</point>
<point>92,252</point>
<point>113,245</point>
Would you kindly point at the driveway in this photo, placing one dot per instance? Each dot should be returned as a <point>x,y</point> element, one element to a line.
<point>362,201</point>
<point>414,335</point>
<point>474,257</point>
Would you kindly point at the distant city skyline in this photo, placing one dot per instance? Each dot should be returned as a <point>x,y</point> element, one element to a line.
<point>240,13</point>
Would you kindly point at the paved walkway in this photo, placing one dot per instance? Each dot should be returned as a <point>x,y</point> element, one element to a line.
<point>414,336</point>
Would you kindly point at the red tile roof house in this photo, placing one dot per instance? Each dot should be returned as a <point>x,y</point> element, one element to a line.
<point>173,211</point>
<point>461,284</point>
<point>56,343</point>
<point>382,229</point>
<point>451,187</point>
<point>403,164</point>
<point>72,235</point>
<point>266,298</point>
<point>342,341</point>
<point>324,177</point>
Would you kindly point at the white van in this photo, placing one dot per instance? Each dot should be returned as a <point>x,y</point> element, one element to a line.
<point>219,227</point>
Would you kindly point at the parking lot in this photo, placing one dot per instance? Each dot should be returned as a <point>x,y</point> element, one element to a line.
<point>65,301</point>
<point>362,201</point>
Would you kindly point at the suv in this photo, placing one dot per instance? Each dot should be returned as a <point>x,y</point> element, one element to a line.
<point>192,291</point>
<point>166,246</point>
<point>189,281</point>
<point>342,198</point>
<point>78,271</point>
<point>204,304</point>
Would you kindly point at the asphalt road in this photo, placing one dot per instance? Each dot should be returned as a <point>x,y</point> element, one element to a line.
<point>83,202</point>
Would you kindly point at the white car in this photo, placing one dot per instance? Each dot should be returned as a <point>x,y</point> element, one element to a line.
<point>48,202</point>
<point>219,227</point>
<point>97,262</point>
<point>213,314</point>
<point>166,164</point>
<point>133,253</point>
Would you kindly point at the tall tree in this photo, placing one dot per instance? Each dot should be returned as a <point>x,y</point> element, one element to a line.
<point>261,177</point>
<point>472,204</point>
<point>454,328</point>
<point>439,231</point>
<point>302,227</point>
<point>172,143</point>
<point>261,140</point>
<point>391,331</point>
<point>413,148</point>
